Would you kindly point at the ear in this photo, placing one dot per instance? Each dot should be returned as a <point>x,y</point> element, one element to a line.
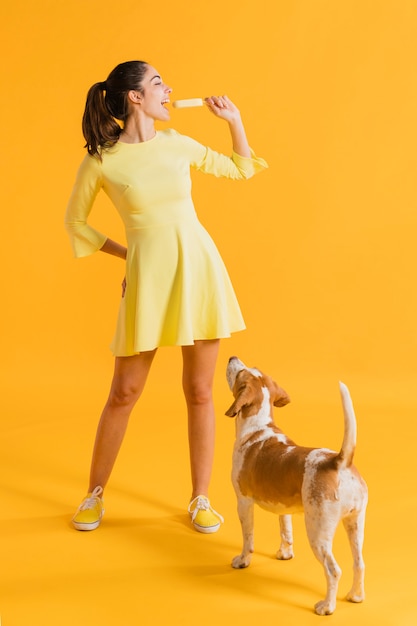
<point>244,398</point>
<point>281,396</point>
<point>134,96</point>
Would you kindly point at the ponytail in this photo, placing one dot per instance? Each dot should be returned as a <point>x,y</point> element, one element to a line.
<point>99,127</point>
<point>107,102</point>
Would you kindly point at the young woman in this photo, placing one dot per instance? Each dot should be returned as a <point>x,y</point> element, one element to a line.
<point>176,290</point>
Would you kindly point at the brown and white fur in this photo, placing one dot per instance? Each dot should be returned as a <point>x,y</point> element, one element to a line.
<point>270,470</point>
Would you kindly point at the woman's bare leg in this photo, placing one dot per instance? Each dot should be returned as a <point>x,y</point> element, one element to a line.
<point>130,374</point>
<point>199,363</point>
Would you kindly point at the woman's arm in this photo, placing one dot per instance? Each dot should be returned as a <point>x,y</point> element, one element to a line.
<point>114,248</point>
<point>85,240</point>
<point>223,107</point>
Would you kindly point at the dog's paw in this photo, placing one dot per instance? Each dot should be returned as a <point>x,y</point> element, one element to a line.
<point>241,561</point>
<point>352,596</point>
<point>324,608</point>
<point>285,553</point>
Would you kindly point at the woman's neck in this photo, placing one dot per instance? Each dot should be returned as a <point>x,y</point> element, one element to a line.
<point>137,130</point>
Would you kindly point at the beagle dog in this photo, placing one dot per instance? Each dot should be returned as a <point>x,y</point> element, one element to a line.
<point>270,470</point>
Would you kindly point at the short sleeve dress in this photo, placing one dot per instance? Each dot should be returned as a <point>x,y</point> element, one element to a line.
<point>177,287</point>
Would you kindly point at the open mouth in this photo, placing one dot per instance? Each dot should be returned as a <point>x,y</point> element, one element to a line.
<point>165,101</point>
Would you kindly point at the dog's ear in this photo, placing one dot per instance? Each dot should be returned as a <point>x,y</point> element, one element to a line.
<point>244,397</point>
<point>281,396</point>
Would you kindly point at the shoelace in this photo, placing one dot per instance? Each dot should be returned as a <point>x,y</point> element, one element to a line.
<point>202,504</point>
<point>89,503</point>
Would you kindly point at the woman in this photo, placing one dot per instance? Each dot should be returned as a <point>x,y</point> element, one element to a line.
<point>176,290</point>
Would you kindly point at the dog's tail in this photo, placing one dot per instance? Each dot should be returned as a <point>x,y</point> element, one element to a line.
<point>345,456</point>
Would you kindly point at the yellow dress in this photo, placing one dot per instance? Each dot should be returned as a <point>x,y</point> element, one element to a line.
<point>177,287</point>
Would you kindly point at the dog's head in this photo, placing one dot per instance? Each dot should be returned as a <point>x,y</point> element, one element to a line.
<point>247,386</point>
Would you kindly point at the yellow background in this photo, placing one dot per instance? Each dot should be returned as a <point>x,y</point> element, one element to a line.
<point>321,249</point>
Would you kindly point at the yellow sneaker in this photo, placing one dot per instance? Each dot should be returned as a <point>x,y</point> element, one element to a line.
<point>90,511</point>
<point>203,517</point>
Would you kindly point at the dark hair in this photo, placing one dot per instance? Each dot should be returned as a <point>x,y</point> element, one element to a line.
<point>107,102</point>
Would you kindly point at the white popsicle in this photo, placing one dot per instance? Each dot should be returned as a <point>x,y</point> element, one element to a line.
<point>184,104</point>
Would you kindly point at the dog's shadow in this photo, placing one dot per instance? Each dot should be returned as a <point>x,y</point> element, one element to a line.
<point>206,560</point>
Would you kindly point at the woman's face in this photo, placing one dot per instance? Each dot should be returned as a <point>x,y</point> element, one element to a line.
<point>155,95</point>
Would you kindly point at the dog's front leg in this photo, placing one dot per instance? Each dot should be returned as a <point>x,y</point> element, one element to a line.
<point>245,510</point>
<point>285,551</point>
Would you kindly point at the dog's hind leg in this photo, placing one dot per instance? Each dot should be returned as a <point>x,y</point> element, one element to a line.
<point>321,527</point>
<point>245,510</point>
<point>355,528</point>
<point>285,551</point>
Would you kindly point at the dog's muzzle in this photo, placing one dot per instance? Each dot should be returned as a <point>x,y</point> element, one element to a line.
<point>234,366</point>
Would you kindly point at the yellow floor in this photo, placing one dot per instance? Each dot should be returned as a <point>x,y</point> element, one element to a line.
<point>145,565</point>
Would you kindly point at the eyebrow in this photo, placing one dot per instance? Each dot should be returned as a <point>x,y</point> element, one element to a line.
<point>153,77</point>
